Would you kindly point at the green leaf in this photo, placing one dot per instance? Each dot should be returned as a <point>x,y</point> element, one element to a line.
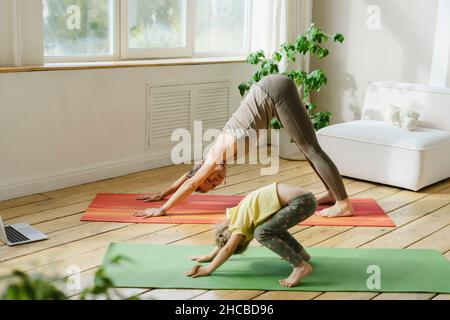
<point>244,87</point>
<point>314,48</point>
<point>311,107</point>
<point>338,37</point>
<point>320,119</point>
<point>22,286</point>
<point>274,69</point>
<point>275,124</point>
<point>316,79</point>
<point>302,44</point>
<point>322,53</point>
<point>258,75</point>
<point>290,51</point>
<point>316,35</point>
<point>277,56</point>
<point>256,57</point>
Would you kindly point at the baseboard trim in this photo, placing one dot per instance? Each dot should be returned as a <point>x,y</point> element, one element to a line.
<point>82,175</point>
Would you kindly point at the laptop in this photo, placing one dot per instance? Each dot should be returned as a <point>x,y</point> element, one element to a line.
<point>21,233</point>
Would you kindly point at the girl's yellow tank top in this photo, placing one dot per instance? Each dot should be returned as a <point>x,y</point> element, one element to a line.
<point>253,210</point>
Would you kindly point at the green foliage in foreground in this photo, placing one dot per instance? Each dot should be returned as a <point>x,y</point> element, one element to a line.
<point>22,286</point>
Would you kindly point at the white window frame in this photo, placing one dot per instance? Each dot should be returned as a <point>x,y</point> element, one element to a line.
<point>247,39</point>
<point>121,51</point>
<point>143,53</point>
<point>115,28</point>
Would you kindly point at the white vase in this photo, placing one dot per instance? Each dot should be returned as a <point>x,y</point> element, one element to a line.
<point>288,149</point>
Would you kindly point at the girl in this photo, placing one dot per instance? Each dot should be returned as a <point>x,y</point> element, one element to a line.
<point>274,96</point>
<point>266,215</point>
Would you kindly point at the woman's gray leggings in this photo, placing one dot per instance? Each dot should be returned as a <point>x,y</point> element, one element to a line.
<point>294,117</point>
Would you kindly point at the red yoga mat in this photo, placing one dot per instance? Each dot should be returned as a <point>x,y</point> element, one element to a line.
<point>210,209</point>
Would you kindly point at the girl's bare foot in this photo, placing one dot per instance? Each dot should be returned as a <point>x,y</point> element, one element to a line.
<point>299,272</point>
<point>340,209</point>
<point>326,199</point>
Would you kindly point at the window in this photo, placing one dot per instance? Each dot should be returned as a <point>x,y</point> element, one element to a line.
<point>78,28</point>
<point>155,28</point>
<point>85,30</point>
<point>157,24</point>
<point>221,25</point>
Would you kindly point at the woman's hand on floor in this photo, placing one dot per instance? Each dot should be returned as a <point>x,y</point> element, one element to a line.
<point>202,258</point>
<point>198,271</point>
<point>151,197</point>
<point>149,213</point>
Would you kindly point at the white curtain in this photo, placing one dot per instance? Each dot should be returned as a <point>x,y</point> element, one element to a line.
<point>278,21</point>
<point>21,32</point>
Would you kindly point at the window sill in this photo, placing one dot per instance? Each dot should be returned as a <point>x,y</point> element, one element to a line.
<point>122,64</point>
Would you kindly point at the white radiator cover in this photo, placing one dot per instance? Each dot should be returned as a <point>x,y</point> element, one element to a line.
<point>177,106</point>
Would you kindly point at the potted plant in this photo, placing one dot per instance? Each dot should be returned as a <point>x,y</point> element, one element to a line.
<point>310,42</point>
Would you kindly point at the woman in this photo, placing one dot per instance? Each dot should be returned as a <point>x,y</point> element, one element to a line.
<point>274,96</point>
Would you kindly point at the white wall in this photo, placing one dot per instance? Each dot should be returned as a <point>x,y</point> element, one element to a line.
<point>441,53</point>
<point>448,74</point>
<point>401,50</point>
<point>63,128</point>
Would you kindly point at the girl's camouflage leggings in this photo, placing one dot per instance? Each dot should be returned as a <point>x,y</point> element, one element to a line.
<point>274,234</point>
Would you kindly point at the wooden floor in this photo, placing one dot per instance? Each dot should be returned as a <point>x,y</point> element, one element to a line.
<point>422,220</point>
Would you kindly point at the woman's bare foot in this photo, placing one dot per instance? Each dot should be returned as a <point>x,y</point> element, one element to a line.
<point>299,272</point>
<point>326,199</point>
<point>340,209</point>
<point>305,255</point>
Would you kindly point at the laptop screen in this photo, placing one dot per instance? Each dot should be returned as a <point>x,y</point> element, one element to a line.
<point>3,236</point>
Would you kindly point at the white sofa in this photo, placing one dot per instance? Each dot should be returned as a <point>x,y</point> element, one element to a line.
<point>369,149</point>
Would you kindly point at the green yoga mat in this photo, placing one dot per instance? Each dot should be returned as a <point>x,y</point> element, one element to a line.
<point>163,266</point>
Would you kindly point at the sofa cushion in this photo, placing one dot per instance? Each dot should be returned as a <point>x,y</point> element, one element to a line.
<point>433,103</point>
<point>378,132</point>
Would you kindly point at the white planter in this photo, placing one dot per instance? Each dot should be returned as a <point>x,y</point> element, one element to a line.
<point>288,149</point>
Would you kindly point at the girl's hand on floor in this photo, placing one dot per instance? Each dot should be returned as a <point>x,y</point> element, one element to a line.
<point>201,258</point>
<point>149,213</point>
<point>151,197</point>
<point>197,271</point>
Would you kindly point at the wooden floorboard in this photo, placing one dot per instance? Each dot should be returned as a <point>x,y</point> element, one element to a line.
<point>404,296</point>
<point>422,219</point>
<point>283,295</point>
<point>8,204</point>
